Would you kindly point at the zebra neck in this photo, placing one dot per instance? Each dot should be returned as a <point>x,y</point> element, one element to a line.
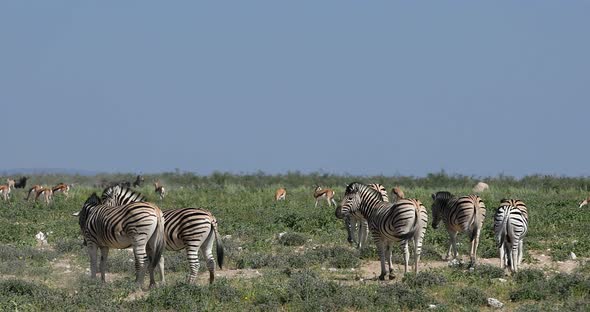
<point>369,209</point>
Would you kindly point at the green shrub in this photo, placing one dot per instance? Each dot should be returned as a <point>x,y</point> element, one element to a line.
<point>292,239</point>
<point>424,279</point>
<point>471,296</point>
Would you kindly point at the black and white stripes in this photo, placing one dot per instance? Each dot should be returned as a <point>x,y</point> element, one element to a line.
<point>463,214</point>
<point>388,222</point>
<point>510,227</point>
<point>138,224</point>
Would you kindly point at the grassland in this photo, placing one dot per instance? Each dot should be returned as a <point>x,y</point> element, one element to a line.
<point>311,267</point>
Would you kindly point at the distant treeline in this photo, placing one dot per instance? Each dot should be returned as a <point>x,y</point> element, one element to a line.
<point>297,179</point>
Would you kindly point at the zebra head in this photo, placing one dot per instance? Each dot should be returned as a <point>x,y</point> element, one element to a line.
<point>118,196</point>
<point>440,201</point>
<point>351,200</point>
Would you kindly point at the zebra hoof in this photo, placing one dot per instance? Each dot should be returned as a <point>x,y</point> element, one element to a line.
<point>391,277</point>
<point>382,277</point>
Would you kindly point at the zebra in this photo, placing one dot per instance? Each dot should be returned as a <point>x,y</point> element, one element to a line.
<point>463,214</point>
<point>389,222</point>
<point>185,228</point>
<point>510,227</point>
<point>139,225</point>
<point>357,222</point>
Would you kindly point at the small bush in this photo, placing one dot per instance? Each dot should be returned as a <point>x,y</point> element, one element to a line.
<point>292,239</point>
<point>68,245</point>
<point>471,296</point>
<point>425,278</point>
<point>405,297</point>
<point>529,276</point>
<point>488,271</point>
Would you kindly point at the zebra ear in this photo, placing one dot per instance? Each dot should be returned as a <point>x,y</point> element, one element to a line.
<point>433,196</point>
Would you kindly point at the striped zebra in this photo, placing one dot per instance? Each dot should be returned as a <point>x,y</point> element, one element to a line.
<point>388,222</point>
<point>463,214</point>
<point>185,228</point>
<point>510,227</point>
<point>356,222</point>
<point>137,224</point>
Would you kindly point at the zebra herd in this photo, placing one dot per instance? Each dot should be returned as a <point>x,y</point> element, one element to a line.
<point>122,218</point>
<point>405,220</point>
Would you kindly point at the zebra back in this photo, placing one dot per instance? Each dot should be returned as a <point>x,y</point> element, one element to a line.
<point>393,221</point>
<point>511,212</point>
<point>459,214</point>
<point>119,196</point>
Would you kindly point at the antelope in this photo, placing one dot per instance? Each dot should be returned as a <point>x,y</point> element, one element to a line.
<point>47,193</point>
<point>5,188</point>
<point>397,194</point>
<point>62,187</point>
<point>160,189</point>
<point>320,193</point>
<point>33,191</point>
<point>280,194</point>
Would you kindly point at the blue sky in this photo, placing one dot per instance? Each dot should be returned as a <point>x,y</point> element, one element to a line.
<point>380,87</point>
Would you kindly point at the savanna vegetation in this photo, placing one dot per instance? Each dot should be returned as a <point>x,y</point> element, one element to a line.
<point>287,255</point>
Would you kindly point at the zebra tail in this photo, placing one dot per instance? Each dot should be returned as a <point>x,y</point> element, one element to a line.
<point>219,246</point>
<point>159,243</point>
<point>475,221</point>
<point>412,231</point>
<point>501,236</point>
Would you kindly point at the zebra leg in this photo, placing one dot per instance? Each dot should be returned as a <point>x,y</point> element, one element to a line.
<point>207,249</point>
<point>104,254</point>
<point>140,262</point>
<point>502,256</point>
<point>474,245</point>
<point>514,257</point>
<point>381,249</point>
<point>363,233</point>
<point>161,270</point>
<point>92,248</point>
<point>389,259</point>
<point>406,255</point>
<point>452,245</point>
<point>520,251</point>
<point>192,254</point>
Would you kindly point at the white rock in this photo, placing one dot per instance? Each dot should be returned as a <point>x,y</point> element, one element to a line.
<point>495,303</point>
<point>432,306</point>
<point>573,256</point>
<point>454,262</point>
<point>281,234</point>
<point>332,269</point>
<point>41,238</point>
<point>501,280</point>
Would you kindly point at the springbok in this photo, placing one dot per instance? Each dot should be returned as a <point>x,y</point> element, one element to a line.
<point>320,193</point>
<point>397,194</point>
<point>33,191</point>
<point>5,188</point>
<point>62,187</point>
<point>160,190</point>
<point>280,194</point>
<point>47,193</point>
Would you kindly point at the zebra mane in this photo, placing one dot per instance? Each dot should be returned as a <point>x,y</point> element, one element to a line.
<point>117,196</point>
<point>444,195</point>
<point>359,187</point>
